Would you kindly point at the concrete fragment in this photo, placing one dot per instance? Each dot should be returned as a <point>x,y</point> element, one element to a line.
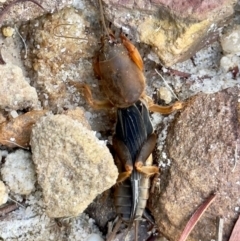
<point>196,9</point>
<point>18,172</point>
<point>3,193</point>
<point>54,58</point>
<point>73,166</point>
<point>203,145</point>
<point>79,115</point>
<point>30,10</point>
<point>15,92</point>
<point>175,29</point>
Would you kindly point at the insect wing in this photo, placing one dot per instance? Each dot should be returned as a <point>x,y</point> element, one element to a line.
<point>131,129</point>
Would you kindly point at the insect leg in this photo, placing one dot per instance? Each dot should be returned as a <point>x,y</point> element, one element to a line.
<point>95,104</point>
<point>124,157</point>
<point>178,105</point>
<point>136,230</point>
<point>143,155</point>
<point>113,234</point>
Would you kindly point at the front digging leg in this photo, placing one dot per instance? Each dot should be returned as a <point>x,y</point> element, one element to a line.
<point>95,104</point>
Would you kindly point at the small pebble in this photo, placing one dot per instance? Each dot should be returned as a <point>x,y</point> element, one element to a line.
<point>3,193</point>
<point>94,237</point>
<point>229,61</point>
<point>14,114</point>
<point>8,31</point>
<point>18,172</point>
<point>165,94</point>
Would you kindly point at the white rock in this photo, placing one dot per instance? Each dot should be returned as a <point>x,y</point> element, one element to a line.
<point>15,92</point>
<point>165,94</point>
<point>18,172</point>
<point>3,193</point>
<point>231,41</point>
<point>14,114</point>
<point>94,237</point>
<point>229,61</point>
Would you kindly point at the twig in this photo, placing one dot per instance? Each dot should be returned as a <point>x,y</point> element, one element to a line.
<point>14,143</point>
<point>102,18</point>
<point>235,158</point>
<point>220,229</point>
<point>25,46</point>
<point>8,208</point>
<point>178,73</point>
<point>165,82</point>
<point>62,36</point>
<point>18,203</point>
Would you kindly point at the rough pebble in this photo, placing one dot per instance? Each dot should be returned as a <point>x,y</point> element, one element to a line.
<point>203,146</point>
<point>73,166</point>
<point>15,92</point>
<point>162,25</point>
<point>18,172</point>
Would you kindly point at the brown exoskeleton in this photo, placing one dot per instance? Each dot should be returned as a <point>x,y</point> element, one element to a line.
<point>119,67</point>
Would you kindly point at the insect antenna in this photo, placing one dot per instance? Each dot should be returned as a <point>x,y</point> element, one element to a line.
<point>103,19</point>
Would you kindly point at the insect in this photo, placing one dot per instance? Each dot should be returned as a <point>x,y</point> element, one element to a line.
<point>133,143</point>
<point>119,68</point>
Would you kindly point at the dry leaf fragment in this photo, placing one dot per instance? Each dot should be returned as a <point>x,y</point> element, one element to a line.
<point>235,236</point>
<point>16,132</point>
<point>1,58</point>
<point>5,209</point>
<point>195,218</point>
